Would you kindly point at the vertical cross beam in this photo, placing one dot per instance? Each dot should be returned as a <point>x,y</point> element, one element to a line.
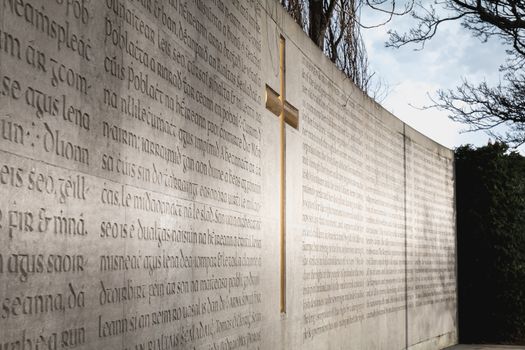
<point>282,72</point>
<point>287,115</point>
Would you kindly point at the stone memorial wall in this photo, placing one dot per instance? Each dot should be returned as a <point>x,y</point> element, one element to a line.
<point>139,187</point>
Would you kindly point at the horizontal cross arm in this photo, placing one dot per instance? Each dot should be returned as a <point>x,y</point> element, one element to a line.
<point>273,103</point>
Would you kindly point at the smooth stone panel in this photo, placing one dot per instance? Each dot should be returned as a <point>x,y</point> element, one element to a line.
<point>140,184</point>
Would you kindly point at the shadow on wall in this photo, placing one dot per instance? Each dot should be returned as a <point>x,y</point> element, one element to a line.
<point>439,282</point>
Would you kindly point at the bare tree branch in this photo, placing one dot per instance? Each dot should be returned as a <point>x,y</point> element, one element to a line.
<point>496,110</point>
<point>335,26</point>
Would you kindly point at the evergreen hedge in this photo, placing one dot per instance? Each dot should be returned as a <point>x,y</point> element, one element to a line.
<point>490,190</point>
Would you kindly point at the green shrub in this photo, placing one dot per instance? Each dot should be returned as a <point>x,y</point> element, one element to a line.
<point>490,190</point>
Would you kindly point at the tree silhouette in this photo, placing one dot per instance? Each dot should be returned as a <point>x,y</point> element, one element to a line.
<point>480,106</point>
<point>335,26</point>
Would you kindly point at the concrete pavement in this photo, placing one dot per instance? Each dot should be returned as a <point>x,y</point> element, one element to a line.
<point>485,347</point>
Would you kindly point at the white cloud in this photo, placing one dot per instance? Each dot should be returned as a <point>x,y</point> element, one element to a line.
<point>452,55</point>
<point>406,100</point>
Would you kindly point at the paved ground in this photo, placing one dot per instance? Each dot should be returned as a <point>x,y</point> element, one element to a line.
<point>485,347</point>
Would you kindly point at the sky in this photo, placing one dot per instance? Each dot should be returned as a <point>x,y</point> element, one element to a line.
<point>413,76</point>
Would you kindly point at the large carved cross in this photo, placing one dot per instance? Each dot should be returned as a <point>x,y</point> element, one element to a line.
<point>287,114</point>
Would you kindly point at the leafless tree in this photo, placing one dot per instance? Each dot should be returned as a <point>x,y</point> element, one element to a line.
<point>334,25</point>
<point>480,106</point>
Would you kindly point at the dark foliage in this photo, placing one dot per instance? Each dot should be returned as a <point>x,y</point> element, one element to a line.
<point>491,244</point>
